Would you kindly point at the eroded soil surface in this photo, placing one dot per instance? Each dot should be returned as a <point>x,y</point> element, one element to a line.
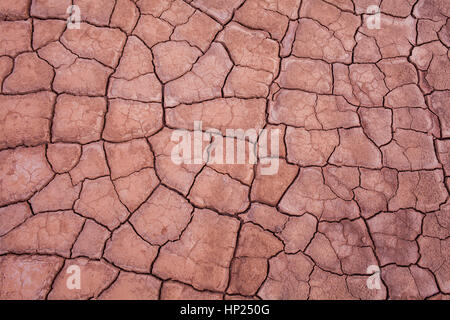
<point>87,179</point>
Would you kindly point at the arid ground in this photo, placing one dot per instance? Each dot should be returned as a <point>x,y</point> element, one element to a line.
<point>93,205</point>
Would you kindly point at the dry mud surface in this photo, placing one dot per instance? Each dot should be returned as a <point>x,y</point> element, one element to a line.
<point>87,179</point>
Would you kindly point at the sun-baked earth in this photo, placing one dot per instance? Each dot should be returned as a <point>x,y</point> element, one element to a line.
<point>86,176</point>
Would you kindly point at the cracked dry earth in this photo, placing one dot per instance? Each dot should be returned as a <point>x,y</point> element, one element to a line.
<point>86,177</point>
